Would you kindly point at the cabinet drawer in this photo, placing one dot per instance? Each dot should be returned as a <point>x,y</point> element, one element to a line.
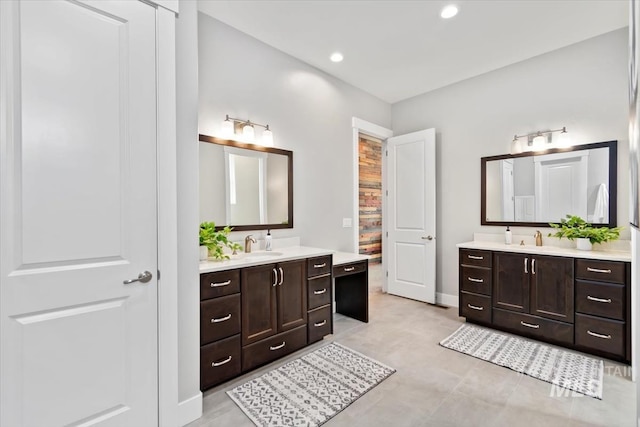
<point>600,334</point>
<point>320,323</point>
<point>319,266</point>
<point>220,283</point>
<point>475,279</point>
<point>219,361</point>
<point>475,307</point>
<point>273,347</point>
<point>534,326</point>
<point>319,292</point>
<point>475,257</point>
<point>219,318</point>
<point>346,269</point>
<point>605,271</point>
<point>600,299</point>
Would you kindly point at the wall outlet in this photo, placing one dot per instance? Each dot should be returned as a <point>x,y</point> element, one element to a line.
<point>347,223</point>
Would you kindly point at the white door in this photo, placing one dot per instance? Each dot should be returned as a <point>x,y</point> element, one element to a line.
<point>78,214</point>
<point>411,184</point>
<point>508,204</point>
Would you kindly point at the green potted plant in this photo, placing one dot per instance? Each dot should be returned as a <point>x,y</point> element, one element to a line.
<point>213,243</point>
<point>585,234</point>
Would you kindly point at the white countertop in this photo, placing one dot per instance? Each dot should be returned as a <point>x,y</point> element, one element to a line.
<point>262,257</point>
<point>341,258</point>
<point>548,250</point>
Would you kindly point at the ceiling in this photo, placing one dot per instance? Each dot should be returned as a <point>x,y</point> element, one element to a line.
<point>399,49</point>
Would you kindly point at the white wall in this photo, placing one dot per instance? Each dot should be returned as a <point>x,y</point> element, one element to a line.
<point>189,395</point>
<point>582,87</point>
<point>309,112</point>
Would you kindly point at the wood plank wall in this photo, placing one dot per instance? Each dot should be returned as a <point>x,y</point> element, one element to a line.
<point>370,190</point>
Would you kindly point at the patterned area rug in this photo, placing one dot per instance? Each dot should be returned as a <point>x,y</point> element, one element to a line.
<point>563,368</point>
<point>310,390</point>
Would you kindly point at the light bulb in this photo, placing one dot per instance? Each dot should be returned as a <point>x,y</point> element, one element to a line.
<point>564,140</point>
<point>247,132</point>
<point>538,142</point>
<point>267,137</point>
<point>227,128</point>
<point>449,11</point>
<point>516,147</point>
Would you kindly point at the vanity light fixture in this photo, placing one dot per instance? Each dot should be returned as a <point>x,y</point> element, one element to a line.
<point>539,140</point>
<point>232,126</point>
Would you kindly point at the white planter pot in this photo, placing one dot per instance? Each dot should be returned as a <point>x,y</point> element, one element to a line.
<point>204,253</point>
<point>583,244</point>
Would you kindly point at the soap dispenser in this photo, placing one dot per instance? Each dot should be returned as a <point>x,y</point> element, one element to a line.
<point>267,241</point>
<point>507,236</point>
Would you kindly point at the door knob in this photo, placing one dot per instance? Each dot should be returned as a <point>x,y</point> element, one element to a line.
<point>429,237</point>
<point>143,277</point>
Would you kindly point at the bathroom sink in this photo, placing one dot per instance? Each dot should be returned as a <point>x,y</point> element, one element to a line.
<point>256,255</point>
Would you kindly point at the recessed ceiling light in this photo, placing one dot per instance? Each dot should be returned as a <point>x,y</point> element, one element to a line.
<point>449,11</point>
<point>336,57</point>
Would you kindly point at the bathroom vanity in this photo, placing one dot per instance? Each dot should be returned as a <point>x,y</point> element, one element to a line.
<point>258,307</point>
<point>576,299</point>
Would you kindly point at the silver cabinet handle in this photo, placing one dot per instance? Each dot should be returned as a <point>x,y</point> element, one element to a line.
<point>526,261</point>
<point>533,266</point>
<point>324,264</point>
<point>320,292</point>
<point>348,269</point>
<point>143,277</point>
<point>227,360</point>
<point>475,307</point>
<point>281,276</point>
<point>597,270</point>
<point>275,277</point>
<point>471,279</point>
<point>529,325</point>
<point>597,335</point>
<point>474,257</point>
<point>217,285</point>
<point>278,347</point>
<point>318,324</point>
<point>221,319</point>
<point>590,298</point>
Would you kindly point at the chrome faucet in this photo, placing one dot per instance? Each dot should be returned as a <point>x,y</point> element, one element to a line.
<point>247,243</point>
<point>538,237</point>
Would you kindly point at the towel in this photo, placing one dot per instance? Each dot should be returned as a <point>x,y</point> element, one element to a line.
<point>601,211</point>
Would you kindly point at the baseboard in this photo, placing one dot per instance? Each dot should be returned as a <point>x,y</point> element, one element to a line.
<point>447,299</point>
<point>190,410</point>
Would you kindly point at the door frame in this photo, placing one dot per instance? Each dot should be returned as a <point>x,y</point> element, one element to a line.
<point>362,126</point>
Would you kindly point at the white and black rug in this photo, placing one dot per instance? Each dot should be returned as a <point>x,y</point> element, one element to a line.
<point>563,368</point>
<point>310,390</point>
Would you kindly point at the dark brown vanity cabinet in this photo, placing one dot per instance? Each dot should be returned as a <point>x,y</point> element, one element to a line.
<point>274,311</point>
<point>578,303</point>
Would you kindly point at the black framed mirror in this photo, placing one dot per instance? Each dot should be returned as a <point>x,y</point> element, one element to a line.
<point>536,188</point>
<point>245,186</point>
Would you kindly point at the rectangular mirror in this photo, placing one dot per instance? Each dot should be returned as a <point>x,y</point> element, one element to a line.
<point>245,186</point>
<point>536,188</point>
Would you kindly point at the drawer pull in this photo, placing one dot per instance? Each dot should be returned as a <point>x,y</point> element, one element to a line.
<point>275,277</point>
<point>320,292</point>
<point>529,325</point>
<point>216,364</point>
<point>281,276</point>
<point>324,264</point>
<point>475,307</point>
<point>597,335</point>
<point>217,285</point>
<point>597,270</point>
<point>221,319</point>
<point>526,261</point>
<point>590,298</point>
<point>471,279</point>
<point>533,266</point>
<point>475,257</point>
<point>348,269</point>
<point>318,324</point>
<point>278,347</point>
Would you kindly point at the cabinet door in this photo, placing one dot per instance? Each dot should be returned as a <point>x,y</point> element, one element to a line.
<point>552,287</point>
<point>511,281</point>
<point>259,312</point>
<point>292,295</point>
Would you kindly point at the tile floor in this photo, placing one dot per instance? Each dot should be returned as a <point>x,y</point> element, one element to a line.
<point>434,386</point>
